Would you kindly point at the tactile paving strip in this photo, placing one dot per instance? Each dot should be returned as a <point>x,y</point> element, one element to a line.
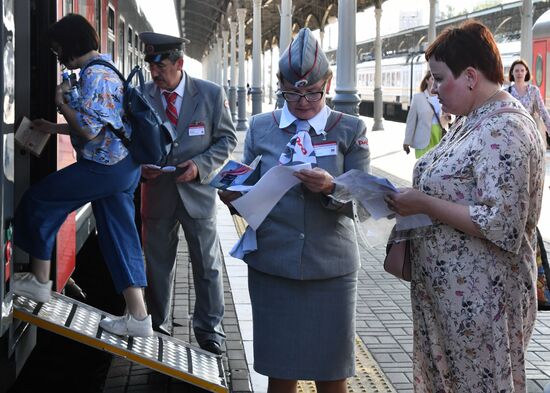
<point>368,378</point>
<point>80,322</point>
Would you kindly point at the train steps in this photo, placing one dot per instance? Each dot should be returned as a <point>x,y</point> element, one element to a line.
<point>80,322</point>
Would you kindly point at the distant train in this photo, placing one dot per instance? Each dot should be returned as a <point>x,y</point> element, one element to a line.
<point>397,85</point>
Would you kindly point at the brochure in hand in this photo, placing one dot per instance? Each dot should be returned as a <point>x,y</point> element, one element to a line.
<point>234,173</point>
<point>31,139</point>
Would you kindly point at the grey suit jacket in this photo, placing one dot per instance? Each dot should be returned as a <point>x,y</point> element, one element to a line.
<point>307,235</point>
<point>204,106</point>
<point>419,122</point>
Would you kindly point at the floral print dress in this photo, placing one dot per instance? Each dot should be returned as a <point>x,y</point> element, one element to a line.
<point>474,299</point>
<point>532,101</point>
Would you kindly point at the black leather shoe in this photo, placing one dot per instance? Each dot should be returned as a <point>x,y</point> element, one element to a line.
<point>212,347</point>
<point>161,330</point>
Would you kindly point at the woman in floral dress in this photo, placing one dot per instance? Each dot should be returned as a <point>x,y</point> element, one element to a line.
<point>528,94</point>
<point>473,279</point>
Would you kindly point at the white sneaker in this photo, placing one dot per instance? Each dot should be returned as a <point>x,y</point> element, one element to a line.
<point>127,325</point>
<point>26,284</point>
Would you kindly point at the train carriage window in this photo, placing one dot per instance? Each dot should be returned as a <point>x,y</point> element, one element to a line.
<point>538,70</point>
<point>111,32</point>
<point>121,40</point>
<point>130,50</point>
<point>68,7</point>
<point>136,49</point>
<point>98,18</point>
<point>111,19</point>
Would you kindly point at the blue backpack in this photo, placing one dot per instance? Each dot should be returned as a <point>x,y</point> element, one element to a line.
<point>151,139</point>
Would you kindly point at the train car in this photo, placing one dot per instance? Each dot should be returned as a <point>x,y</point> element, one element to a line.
<point>541,45</point>
<point>397,85</point>
<point>29,92</point>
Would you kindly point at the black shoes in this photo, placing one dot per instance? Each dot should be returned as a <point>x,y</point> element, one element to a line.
<point>212,347</point>
<point>161,330</point>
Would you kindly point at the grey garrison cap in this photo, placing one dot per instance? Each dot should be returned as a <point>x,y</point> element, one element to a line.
<point>303,62</point>
<point>159,46</point>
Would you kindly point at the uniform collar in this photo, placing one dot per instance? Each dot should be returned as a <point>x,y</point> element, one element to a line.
<point>318,122</point>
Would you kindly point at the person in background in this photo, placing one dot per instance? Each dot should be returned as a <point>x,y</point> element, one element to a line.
<point>473,288</point>
<point>303,274</point>
<point>205,138</point>
<point>529,95</point>
<point>423,129</point>
<point>104,174</point>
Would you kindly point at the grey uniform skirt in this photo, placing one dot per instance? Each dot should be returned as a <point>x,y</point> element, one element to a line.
<point>303,330</point>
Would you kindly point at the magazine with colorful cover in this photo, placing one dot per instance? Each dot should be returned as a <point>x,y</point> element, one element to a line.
<point>234,173</point>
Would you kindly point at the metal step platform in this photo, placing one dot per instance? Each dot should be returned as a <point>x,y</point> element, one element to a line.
<point>80,322</point>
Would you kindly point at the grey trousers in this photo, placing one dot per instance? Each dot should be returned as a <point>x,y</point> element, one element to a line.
<point>160,241</point>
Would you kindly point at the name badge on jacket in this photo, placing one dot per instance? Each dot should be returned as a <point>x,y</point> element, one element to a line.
<point>196,129</point>
<point>323,149</point>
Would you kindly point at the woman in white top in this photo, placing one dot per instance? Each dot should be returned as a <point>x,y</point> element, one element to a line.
<point>423,130</point>
<point>528,94</point>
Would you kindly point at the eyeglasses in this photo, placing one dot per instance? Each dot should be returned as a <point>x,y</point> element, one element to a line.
<point>292,96</point>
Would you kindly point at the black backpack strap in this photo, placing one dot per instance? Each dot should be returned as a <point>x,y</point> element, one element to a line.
<point>108,65</point>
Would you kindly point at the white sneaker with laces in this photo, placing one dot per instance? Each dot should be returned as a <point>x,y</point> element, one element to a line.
<point>26,284</point>
<point>127,325</point>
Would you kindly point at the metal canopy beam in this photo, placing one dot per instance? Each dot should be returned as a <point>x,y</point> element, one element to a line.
<point>214,14</point>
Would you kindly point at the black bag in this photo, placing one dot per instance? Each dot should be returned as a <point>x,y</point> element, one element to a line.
<point>151,140</point>
<point>543,275</point>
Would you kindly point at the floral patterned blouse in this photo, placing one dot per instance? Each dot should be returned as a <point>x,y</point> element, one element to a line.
<point>532,101</point>
<point>99,109</point>
<point>474,299</point>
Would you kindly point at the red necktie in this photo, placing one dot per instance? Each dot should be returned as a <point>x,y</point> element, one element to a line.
<point>171,111</point>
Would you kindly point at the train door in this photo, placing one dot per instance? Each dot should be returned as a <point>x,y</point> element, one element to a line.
<point>16,339</point>
<point>7,117</point>
<point>539,65</point>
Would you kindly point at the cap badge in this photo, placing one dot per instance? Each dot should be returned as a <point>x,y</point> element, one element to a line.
<point>301,83</point>
<point>149,49</point>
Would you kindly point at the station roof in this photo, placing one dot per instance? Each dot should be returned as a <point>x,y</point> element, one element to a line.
<point>201,21</point>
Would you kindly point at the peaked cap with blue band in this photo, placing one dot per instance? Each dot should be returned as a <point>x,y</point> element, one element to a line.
<point>303,62</point>
<point>159,46</point>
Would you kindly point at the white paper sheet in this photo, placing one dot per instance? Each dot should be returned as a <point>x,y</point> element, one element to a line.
<point>255,205</point>
<point>370,191</point>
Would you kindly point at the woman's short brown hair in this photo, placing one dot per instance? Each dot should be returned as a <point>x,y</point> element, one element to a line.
<point>424,82</point>
<point>74,35</point>
<point>523,63</point>
<point>469,45</point>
